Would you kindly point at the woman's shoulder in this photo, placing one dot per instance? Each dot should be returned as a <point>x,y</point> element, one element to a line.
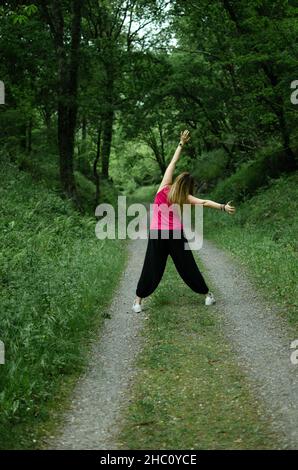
<point>165,187</point>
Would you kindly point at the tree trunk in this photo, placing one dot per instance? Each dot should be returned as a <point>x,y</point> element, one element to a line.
<point>48,121</point>
<point>82,147</point>
<point>95,170</point>
<point>278,108</point>
<point>107,142</point>
<point>29,136</point>
<point>68,63</point>
<point>108,120</point>
<point>162,155</point>
<point>151,141</point>
<point>161,163</point>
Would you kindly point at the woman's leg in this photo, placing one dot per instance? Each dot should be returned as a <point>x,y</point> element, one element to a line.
<point>186,266</point>
<point>153,268</point>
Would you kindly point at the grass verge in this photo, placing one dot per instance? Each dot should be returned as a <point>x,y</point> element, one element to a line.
<point>263,236</point>
<point>57,280</point>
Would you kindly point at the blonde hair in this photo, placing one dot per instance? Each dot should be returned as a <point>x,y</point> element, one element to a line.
<point>181,188</point>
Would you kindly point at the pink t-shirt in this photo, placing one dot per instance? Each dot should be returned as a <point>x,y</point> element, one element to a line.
<point>164,215</point>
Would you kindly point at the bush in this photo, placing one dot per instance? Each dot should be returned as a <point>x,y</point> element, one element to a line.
<point>210,166</point>
<point>263,234</point>
<point>251,176</point>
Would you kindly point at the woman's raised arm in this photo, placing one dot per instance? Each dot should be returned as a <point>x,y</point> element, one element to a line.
<point>168,176</point>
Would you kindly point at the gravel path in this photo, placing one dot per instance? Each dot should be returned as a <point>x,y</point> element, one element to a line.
<point>101,393</point>
<point>259,339</point>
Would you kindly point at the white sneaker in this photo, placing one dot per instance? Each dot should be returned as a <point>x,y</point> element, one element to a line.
<point>136,307</point>
<point>209,300</point>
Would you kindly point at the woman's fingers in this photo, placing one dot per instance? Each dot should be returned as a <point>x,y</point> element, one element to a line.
<point>185,135</point>
<point>230,209</point>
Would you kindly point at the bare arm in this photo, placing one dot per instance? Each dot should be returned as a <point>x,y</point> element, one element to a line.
<point>168,176</point>
<point>212,204</point>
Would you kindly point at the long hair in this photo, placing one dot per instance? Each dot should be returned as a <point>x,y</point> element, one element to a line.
<point>181,188</point>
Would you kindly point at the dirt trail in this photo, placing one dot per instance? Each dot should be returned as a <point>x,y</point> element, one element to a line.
<point>260,341</point>
<point>100,395</point>
<point>258,336</point>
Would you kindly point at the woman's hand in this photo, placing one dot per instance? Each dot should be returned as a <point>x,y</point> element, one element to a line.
<point>184,137</point>
<point>229,209</point>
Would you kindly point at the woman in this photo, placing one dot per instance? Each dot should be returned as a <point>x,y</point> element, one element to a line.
<point>158,248</point>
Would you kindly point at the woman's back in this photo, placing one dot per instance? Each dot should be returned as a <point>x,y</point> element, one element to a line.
<point>164,217</point>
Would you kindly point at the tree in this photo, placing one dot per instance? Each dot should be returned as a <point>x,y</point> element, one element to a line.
<point>245,56</point>
<point>67,53</point>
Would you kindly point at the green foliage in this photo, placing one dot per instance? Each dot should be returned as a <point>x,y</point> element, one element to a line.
<point>132,165</point>
<point>263,235</point>
<point>23,13</point>
<point>136,94</point>
<point>226,77</point>
<point>251,175</point>
<point>143,194</point>
<point>56,281</point>
<point>210,166</point>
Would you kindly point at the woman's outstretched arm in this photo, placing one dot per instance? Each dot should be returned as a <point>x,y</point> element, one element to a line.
<point>168,176</point>
<point>214,205</point>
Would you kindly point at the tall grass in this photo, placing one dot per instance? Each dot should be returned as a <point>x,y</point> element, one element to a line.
<point>263,235</point>
<point>57,279</point>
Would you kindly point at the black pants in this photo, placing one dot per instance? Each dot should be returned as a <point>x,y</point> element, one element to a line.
<point>156,256</point>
